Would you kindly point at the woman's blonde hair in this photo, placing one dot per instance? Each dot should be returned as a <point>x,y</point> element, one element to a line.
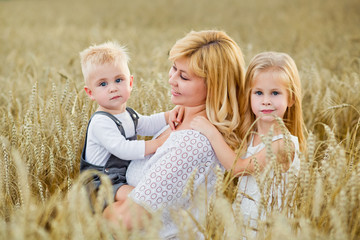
<point>215,57</point>
<point>105,53</point>
<point>285,68</point>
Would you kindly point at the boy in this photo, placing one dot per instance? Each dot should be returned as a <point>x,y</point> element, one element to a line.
<point>111,135</point>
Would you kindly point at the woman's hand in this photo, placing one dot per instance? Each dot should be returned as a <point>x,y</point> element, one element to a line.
<point>128,213</point>
<point>175,116</point>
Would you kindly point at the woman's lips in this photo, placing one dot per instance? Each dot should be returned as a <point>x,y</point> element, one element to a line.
<point>174,93</point>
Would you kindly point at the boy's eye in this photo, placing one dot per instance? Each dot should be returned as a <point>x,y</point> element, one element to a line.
<point>103,84</point>
<point>118,80</point>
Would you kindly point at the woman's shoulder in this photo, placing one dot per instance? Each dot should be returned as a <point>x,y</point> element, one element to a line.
<point>189,136</point>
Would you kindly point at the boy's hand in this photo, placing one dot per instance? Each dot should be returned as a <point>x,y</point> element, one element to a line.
<point>175,116</point>
<point>204,126</point>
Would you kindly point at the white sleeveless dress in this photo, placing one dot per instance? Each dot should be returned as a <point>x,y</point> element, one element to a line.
<point>248,185</point>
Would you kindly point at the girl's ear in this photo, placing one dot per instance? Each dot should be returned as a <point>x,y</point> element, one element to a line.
<point>89,92</point>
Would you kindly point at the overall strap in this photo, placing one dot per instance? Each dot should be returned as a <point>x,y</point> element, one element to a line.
<point>83,164</point>
<point>117,121</point>
<point>133,116</point>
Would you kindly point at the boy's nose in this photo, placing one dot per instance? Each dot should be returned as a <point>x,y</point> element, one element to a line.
<point>112,88</point>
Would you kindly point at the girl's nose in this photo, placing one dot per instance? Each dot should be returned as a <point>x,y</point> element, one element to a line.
<point>266,101</point>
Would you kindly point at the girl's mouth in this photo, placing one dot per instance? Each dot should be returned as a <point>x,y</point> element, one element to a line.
<point>267,111</point>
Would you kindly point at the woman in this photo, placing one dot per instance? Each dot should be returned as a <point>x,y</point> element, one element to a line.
<point>206,78</point>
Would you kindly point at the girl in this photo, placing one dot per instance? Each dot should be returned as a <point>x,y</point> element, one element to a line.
<point>272,88</point>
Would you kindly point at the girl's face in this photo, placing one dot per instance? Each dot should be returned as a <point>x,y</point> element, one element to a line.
<point>187,89</point>
<point>269,95</point>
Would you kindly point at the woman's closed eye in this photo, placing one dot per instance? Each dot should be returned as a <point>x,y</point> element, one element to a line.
<point>174,68</point>
<point>183,78</point>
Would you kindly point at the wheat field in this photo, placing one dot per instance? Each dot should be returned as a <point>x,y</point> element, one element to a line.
<point>44,111</point>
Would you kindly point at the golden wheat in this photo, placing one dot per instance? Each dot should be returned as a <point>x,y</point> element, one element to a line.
<point>44,114</point>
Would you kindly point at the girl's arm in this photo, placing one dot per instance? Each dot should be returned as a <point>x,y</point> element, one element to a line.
<point>226,155</point>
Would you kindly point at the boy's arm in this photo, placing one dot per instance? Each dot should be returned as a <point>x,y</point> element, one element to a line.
<point>152,145</point>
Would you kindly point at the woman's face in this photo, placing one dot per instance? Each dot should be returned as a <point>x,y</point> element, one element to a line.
<point>187,89</point>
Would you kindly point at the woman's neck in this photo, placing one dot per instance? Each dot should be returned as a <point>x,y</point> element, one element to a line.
<point>189,114</point>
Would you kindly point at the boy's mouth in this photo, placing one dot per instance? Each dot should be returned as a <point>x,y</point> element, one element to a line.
<point>113,98</point>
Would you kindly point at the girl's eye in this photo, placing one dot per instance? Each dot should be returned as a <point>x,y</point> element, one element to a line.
<point>118,80</point>
<point>258,93</point>
<point>275,93</point>
<point>103,84</point>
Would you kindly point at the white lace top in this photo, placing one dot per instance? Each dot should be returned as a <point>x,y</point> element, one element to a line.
<point>160,179</point>
<point>248,183</point>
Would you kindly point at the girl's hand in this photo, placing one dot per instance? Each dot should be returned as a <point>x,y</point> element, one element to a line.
<point>175,116</point>
<point>204,126</point>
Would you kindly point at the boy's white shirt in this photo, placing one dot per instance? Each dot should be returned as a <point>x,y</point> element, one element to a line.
<point>104,137</point>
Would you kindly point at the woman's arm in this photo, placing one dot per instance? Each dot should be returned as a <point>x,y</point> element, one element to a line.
<point>164,181</point>
<point>163,184</point>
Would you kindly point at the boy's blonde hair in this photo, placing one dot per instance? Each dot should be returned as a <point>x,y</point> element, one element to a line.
<point>215,57</point>
<point>285,67</point>
<point>105,53</point>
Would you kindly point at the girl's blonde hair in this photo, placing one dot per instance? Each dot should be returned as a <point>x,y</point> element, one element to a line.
<point>215,57</point>
<point>285,67</point>
<point>105,53</point>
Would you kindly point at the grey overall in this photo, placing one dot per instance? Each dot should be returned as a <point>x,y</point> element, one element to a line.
<point>115,168</point>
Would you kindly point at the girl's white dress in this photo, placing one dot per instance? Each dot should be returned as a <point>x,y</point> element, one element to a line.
<point>248,185</point>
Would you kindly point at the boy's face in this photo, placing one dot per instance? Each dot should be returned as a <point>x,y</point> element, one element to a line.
<point>110,86</point>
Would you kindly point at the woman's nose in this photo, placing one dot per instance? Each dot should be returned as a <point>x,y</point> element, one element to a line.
<point>172,77</point>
